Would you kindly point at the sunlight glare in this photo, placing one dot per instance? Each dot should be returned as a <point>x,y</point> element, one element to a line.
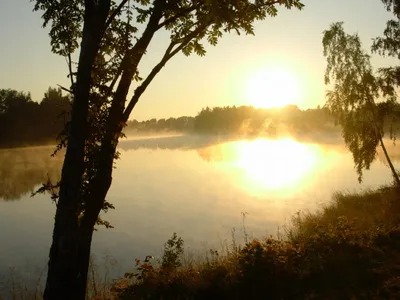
<point>273,88</point>
<point>276,164</point>
<point>282,166</point>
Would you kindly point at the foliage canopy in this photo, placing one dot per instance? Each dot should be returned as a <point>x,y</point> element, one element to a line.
<point>112,38</point>
<point>128,30</point>
<point>355,88</point>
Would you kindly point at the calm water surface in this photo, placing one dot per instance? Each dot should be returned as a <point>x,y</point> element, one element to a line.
<point>194,186</point>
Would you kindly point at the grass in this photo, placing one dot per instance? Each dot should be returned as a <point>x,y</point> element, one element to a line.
<point>17,286</point>
<point>348,250</point>
<point>21,286</point>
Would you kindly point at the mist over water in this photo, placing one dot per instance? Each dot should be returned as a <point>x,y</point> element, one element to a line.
<point>194,185</point>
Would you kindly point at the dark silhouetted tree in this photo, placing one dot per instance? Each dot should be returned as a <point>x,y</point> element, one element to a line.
<point>355,88</point>
<point>25,122</point>
<point>111,49</point>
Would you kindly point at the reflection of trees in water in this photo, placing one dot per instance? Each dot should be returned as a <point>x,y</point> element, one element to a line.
<point>206,146</point>
<point>188,142</point>
<point>181,142</point>
<point>213,153</point>
<point>210,147</point>
<point>23,169</point>
<point>393,150</point>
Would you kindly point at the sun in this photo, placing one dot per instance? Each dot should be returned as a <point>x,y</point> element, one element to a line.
<point>274,87</point>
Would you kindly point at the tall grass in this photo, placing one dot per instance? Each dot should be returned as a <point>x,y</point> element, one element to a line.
<point>348,250</point>
<point>360,216</point>
<point>20,285</point>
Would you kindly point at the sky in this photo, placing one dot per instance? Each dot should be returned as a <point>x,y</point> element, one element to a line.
<point>292,42</point>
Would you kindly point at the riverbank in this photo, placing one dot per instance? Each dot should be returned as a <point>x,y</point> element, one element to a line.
<point>349,250</point>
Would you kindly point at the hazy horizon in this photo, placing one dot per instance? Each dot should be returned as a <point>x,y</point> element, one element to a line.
<point>235,173</point>
<point>220,78</point>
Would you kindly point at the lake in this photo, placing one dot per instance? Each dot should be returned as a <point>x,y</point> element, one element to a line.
<point>196,186</point>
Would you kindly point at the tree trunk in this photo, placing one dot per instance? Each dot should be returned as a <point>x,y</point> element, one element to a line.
<point>72,236</point>
<point>380,136</point>
<point>68,258</point>
<point>394,173</point>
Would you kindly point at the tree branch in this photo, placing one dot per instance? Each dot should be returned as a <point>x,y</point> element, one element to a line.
<point>128,61</point>
<point>89,4</point>
<point>65,89</point>
<point>71,74</point>
<point>114,14</point>
<point>68,54</point>
<point>169,53</point>
<point>177,16</point>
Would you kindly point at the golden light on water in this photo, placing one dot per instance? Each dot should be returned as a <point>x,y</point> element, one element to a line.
<point>275,164</point>
<point>267,165</point>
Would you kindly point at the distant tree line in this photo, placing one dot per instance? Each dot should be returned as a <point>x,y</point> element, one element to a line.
<point>181,124</point>
<point>26,122</point>
<point>242,119</point>
<point>248,120</point>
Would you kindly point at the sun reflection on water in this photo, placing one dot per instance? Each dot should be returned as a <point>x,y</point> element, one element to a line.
<point>267,165</point>
<point>275,164</point>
